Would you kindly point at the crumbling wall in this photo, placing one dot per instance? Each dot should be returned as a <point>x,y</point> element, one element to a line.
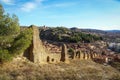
<point>64,55</point>
<point>83,55</point>
<point>53,58</point>
<point>38,53</point>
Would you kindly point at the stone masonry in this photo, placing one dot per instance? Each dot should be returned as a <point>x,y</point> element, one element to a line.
<point>43,52</point>
<point>38,53</point>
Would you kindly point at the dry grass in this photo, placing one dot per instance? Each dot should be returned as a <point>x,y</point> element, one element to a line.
<point>75,70</point>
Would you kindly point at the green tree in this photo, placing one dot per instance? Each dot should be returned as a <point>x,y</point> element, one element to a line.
<point>22,41</point>
<point>9,28</point>
<point>12,39</point>
<point>1,11</point>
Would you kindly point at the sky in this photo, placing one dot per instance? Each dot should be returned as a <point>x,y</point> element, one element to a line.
<point>92,14</point>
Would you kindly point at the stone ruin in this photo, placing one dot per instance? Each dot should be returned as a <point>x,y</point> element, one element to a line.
<point>64,55</point>
<point>38,52</point>
<point>83,52</point>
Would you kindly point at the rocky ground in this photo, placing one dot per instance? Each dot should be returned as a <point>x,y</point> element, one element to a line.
<point>75,70</point>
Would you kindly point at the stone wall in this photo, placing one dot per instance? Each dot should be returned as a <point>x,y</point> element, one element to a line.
<point>38,53</point>
<point>84,55</point>
<point>84,51</point>
<point>46,52</point>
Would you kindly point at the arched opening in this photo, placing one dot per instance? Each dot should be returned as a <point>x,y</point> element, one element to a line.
<point>48,59</point>
<point>52,59</point>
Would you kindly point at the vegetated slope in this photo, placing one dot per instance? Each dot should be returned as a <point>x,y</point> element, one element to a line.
<point>62,34</point>
<point>108,35</point>
<point>75,70</point>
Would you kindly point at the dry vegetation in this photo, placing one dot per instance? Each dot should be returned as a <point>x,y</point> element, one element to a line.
<point>75,70</point>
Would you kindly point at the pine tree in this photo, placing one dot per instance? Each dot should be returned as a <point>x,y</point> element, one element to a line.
<point>9,28</point>
<point>12,40</point>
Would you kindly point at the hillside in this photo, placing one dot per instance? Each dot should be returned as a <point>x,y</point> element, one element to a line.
<point>76,70</point>
<point>55,53</point>
<point>107,35</point>
<point>62,34</point>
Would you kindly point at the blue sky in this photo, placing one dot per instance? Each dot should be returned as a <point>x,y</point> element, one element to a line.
<point>96,14</point>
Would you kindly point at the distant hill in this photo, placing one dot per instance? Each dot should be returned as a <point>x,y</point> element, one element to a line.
<point>108,35</point>
<point>116,31</point>
<point>62,34</point>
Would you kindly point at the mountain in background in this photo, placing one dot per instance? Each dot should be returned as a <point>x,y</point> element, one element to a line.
<point>108,35</point>
<point>118,31</point>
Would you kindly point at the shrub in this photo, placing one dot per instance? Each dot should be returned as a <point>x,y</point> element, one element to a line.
<point>4,56</point>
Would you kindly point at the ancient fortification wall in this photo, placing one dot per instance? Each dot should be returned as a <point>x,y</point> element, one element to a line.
<point>39,53</point>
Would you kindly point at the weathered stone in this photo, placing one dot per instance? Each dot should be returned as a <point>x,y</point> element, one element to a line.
<point>64,57</point>
<point>86,56</point>
<point>73,55</point>
<point>78,54</point>
<point>81,55</point>
<point>38,53</point>
<point>48,52</point>
<point>91,56</point>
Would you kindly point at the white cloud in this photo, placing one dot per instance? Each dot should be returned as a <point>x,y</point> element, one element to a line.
<point>9,2</point>
<point>29,6</point>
